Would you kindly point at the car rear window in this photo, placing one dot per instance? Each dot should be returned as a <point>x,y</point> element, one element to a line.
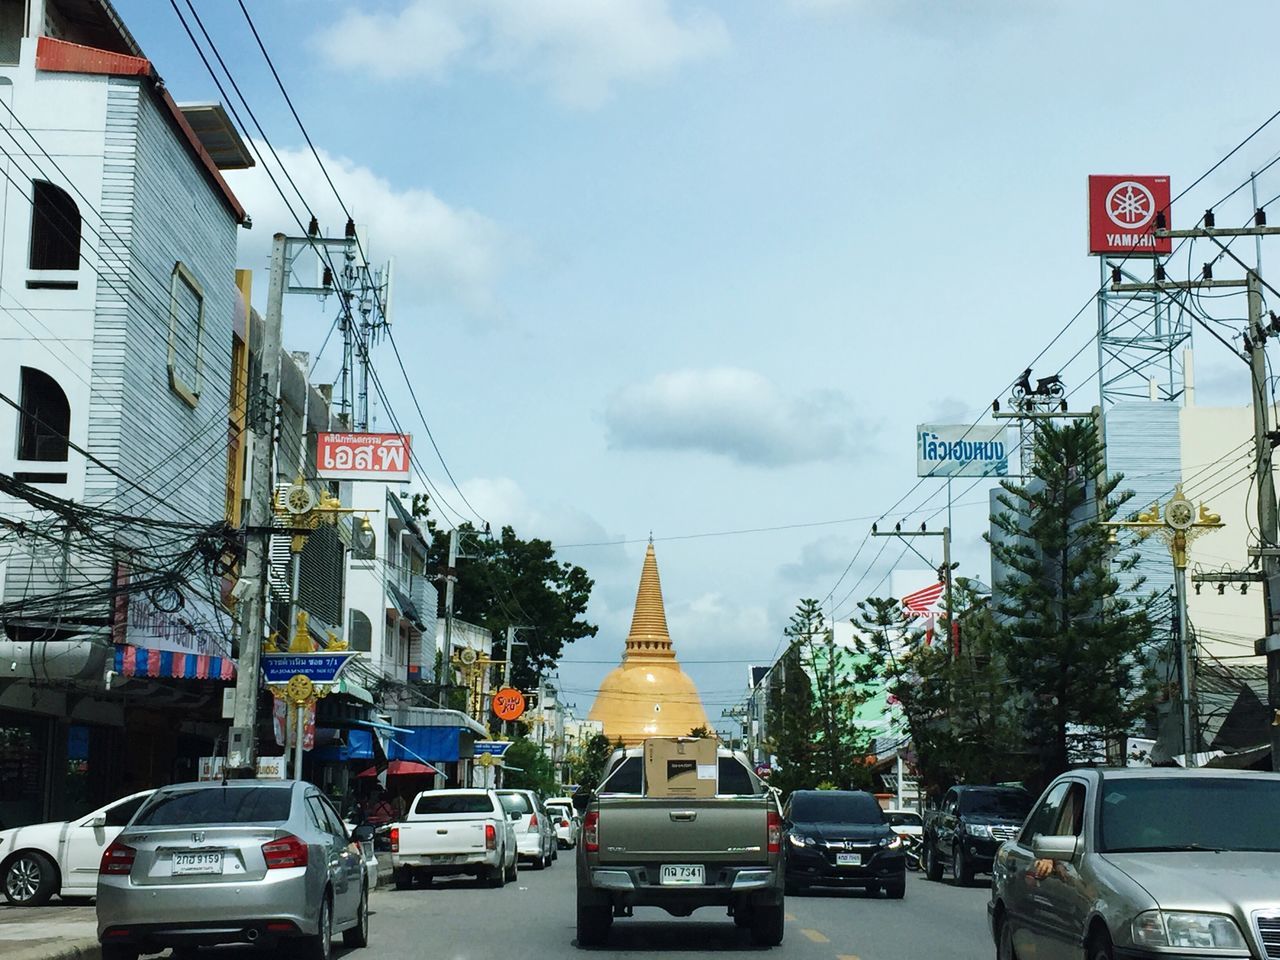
<point>1013,804</point>
<point>210,806</point>
<point>735,779</point>
<point>561,813</point>
<point>1170,814</point>
<point>899,819</point>
<point>626,777</point>
<point>515,803</point>
<point>832,807</point>
<point>432,805</point>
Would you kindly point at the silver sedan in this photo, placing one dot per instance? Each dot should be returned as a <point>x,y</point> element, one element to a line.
<point>1143,862</point>
<point>247,861</point>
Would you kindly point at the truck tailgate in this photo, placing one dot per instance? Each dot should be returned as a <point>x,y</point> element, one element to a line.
<point>729,829</point>
<point>442,835</point>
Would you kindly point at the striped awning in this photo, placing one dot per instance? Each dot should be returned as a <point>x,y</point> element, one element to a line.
<point>141,662</point>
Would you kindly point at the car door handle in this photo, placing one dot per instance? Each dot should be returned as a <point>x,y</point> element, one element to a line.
<point>683,816</point>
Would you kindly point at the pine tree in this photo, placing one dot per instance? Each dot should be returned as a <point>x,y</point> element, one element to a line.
<point>1073,646</point>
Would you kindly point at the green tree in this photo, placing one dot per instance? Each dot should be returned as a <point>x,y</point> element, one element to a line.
<point>790,721</point>
<point>588,766</point>
<point>702,732</point>
<point>528,767</point>
<point>1073,646</point>
<point>506,581</point>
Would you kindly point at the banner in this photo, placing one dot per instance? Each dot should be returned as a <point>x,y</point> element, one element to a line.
<point>961,451</point>
<point>363,456</point>
<point>1122,215</point>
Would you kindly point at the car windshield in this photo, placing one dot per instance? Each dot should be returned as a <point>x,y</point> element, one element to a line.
<point>515,803</point>
<point>1012,804</point>
<point>210,805</point>
<point>899,819</point>
<point>1173,814</point>
<point>430,804</point>
<point>832,807</point>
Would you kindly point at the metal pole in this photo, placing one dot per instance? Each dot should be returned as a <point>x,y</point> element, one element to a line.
<point>295,579</point>
<point>1268,523</point>
<point>506,667</point>
<point>901,787</point>
<point>946,566</point>
<point>1184,663</point>
<point>450,577</point>
<point>301,720</point>
<point>253,613</point>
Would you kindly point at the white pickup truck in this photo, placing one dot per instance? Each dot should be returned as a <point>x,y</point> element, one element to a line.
<point>454,832</point>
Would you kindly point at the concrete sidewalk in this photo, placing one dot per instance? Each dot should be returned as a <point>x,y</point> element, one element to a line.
<point>58,931</point>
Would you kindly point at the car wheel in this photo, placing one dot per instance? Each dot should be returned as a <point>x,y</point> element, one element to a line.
<point>404,879</point>
<point>594,921</point>
<point>961,869</point>
<point>873,889</point>
<point>1004,942</point>
<point>742,917</point>
<point>358,936</point>
<point>1100,947</point>
<point>118,951</point>
<point>896,890</point>
<point>932,868</point>
<point>767,925</point>
<point>513,871</point>
<point>536,862</point>
<point>29,879</point>
<point>497,877</point>
<point>794,888</point>
<point>320,946</point>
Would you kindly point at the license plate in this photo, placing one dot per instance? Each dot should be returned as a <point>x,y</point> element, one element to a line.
<point>674,874</point>
<point>848,859</point>
<point>194,862</point>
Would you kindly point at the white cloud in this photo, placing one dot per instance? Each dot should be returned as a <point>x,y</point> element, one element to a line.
<point>503,502</point>
<point>734,413</point>
<point>440,252</point>
<point>578,49</point>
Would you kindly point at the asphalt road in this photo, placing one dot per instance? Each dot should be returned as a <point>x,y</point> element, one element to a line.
<point>457,920</point>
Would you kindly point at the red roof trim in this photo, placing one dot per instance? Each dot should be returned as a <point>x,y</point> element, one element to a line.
<point>60,56</point>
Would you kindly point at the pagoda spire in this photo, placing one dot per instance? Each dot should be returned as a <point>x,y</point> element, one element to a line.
<point>649,637</point>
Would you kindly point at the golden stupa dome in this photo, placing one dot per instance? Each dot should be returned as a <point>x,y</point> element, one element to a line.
<point>648,695</point>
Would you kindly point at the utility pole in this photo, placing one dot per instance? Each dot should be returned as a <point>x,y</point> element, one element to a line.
<point>945,534</point>
<point>241,749</point>
<point>450,578</point>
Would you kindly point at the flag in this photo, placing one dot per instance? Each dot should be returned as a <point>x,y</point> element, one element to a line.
<point>921,602</point>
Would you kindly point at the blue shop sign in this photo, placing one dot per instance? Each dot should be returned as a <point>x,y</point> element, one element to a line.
<point>495,747</point>
<point>319,667</point>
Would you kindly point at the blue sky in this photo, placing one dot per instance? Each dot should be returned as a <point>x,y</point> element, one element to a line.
<point>688,267</point>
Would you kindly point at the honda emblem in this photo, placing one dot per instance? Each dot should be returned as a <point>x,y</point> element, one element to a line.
<point>197,838</point>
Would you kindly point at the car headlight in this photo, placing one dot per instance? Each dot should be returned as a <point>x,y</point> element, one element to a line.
<point>891,843</point>
<point>800,840</point>
<point>979,830</point>
<point>1194,931</point>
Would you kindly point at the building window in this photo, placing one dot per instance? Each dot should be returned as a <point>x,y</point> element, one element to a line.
<point>44,418</point>
<point>55,228</point>
<point>13,26</point>
<point>360,632</point>
<point>186,332</point>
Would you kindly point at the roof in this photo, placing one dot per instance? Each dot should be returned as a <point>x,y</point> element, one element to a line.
<point>96,23</point>
<point>218,135</point>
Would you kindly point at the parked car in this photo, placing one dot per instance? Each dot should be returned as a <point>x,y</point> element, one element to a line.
<point>566,823</point>
<point>965,831</point>
<point>246,861</point>
<point>1143,862</point>
<point>909,825</point>
<point>47,858</point>
<point>680,853</point>
<point>535,836</point>
<point>841,838</point>
<point>451,832</point>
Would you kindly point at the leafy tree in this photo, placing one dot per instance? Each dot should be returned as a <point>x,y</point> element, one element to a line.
<point>790,721</point>
<point>536,772</point>
<point>588,764</point>
<point>506,581</point>
<point>1073,646</point>
<point>702,732</point>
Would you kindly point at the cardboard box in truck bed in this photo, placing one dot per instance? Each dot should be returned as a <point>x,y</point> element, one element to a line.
<point>680,767</point>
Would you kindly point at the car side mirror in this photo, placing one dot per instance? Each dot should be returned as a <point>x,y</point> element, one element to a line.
<point>363,833</point>
<point>1055,848</point>
<point>99,821</point>
<point>581,801</point>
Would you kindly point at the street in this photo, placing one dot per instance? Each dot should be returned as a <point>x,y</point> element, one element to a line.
<point>536,917</point>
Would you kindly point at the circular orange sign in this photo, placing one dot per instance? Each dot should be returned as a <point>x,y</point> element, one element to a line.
<point>508,704</point>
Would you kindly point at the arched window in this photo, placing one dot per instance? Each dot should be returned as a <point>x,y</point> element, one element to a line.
<point>360,632</point>
<point>44,417</point>
<point>55,228</point>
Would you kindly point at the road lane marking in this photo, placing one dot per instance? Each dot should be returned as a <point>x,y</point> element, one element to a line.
<point>815,936</point>
<point>789,916</point>
<point>848,956</point>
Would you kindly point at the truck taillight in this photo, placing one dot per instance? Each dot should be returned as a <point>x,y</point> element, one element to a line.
<point>395,839</point>
<point>117,858</point>
<point>490,837</point>
<point>775,832</point>
<point>591,832</point>
<point>533,824</point>
<point>564,823</point>
<point>288,851</point>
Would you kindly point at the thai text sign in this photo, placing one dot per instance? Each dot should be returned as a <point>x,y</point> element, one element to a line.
<point>961,451</point>
<point>1122,215</point>
<point>495,747</point>
<point>363,456</point>
<point>508,704</point>
<point>170,618</point>
<point>320,667</point>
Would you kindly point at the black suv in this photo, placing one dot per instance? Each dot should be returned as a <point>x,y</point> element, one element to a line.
<point>841,838</point>
<point>966,830</point>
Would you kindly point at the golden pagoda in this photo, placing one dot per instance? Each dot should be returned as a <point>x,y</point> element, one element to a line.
<point>648,695</point>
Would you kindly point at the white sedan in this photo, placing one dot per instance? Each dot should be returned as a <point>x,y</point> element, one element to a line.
<point>566,824</point>
<point>63,858</point>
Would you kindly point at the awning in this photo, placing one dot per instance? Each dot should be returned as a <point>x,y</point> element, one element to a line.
<point>427,745</point>
<point>80,658</point>
<point>354,691</point>
<point>402,768</point>
<point>140,662</point>
<point>359,746</point>
<point>404,605</point>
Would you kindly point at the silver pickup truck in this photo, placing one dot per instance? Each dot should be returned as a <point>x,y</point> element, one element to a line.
<point>680,853</point>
